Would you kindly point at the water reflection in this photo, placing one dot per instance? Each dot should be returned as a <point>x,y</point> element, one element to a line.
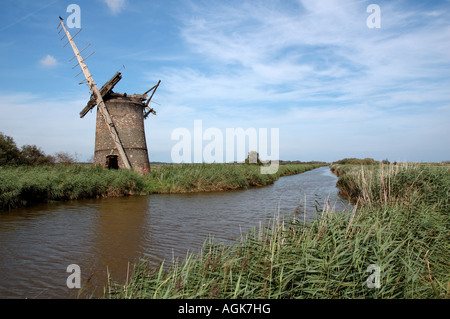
<point>114,239</point>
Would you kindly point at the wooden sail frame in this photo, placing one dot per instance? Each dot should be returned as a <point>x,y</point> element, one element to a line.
<point>105,90</point>
<point>97,95</point>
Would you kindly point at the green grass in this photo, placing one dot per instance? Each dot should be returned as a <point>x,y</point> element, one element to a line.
<point>400,222</point>
<point>392,184</point>
<point>27,185</point>
<point>185,178</point>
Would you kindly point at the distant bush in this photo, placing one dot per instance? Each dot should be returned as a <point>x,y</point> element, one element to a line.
<point>65,158</point>
<point>29,155</point>
<point>9,152</point>
<point>365,161</point>
<point>32,155</point>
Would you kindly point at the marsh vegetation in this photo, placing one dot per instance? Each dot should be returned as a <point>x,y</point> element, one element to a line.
<point>27,185</point>
<point>400,222</point>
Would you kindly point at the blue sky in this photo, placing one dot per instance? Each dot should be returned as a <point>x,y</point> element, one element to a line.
<point>334,87</point>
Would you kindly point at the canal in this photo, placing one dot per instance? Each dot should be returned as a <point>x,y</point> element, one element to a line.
<point>106,236</point>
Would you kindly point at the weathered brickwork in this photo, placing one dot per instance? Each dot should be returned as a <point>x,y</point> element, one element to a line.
<point>127,115</point>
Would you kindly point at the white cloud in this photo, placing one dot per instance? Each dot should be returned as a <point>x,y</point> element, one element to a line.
<point>311,52</point>
<point>311,68</point>
<point>115,6</point>
<point>48,61</point>
<point>61,129</point>
<point>316,71</point>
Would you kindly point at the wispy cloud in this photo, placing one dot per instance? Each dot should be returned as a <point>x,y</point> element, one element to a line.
<point>48,61</point>
<point>115,6</point>
<point>334,87</point>
<point>27,15</point>
<point>314,51</point>
<point>61,129</point>
<point>314,69</point>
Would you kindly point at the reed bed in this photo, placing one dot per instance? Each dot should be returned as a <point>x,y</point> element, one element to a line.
<point>26,185</point>
<point>186,178</point>
<point>406,183</point>
<point>396,224</point>
<point>29,185</point>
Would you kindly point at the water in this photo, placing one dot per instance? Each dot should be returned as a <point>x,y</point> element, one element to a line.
<point>107,235</point>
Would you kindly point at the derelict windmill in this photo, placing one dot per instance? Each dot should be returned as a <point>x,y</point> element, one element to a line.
<point>119,136</point>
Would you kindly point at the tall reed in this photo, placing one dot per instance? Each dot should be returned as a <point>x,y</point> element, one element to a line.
<point>26,185</point>
<point>23,186</point>
<point>395,225</point>
<point>183,178</point>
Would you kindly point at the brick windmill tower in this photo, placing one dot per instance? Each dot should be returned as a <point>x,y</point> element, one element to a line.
<point>120,136</point>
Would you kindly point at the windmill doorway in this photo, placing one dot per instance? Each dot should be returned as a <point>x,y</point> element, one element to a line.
<point>112,162</point>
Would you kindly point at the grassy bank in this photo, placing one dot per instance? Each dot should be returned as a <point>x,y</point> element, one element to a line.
<point>400,223</point>
<point>27,185</point>
<point>187,178</point>
<point>395,184</point>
